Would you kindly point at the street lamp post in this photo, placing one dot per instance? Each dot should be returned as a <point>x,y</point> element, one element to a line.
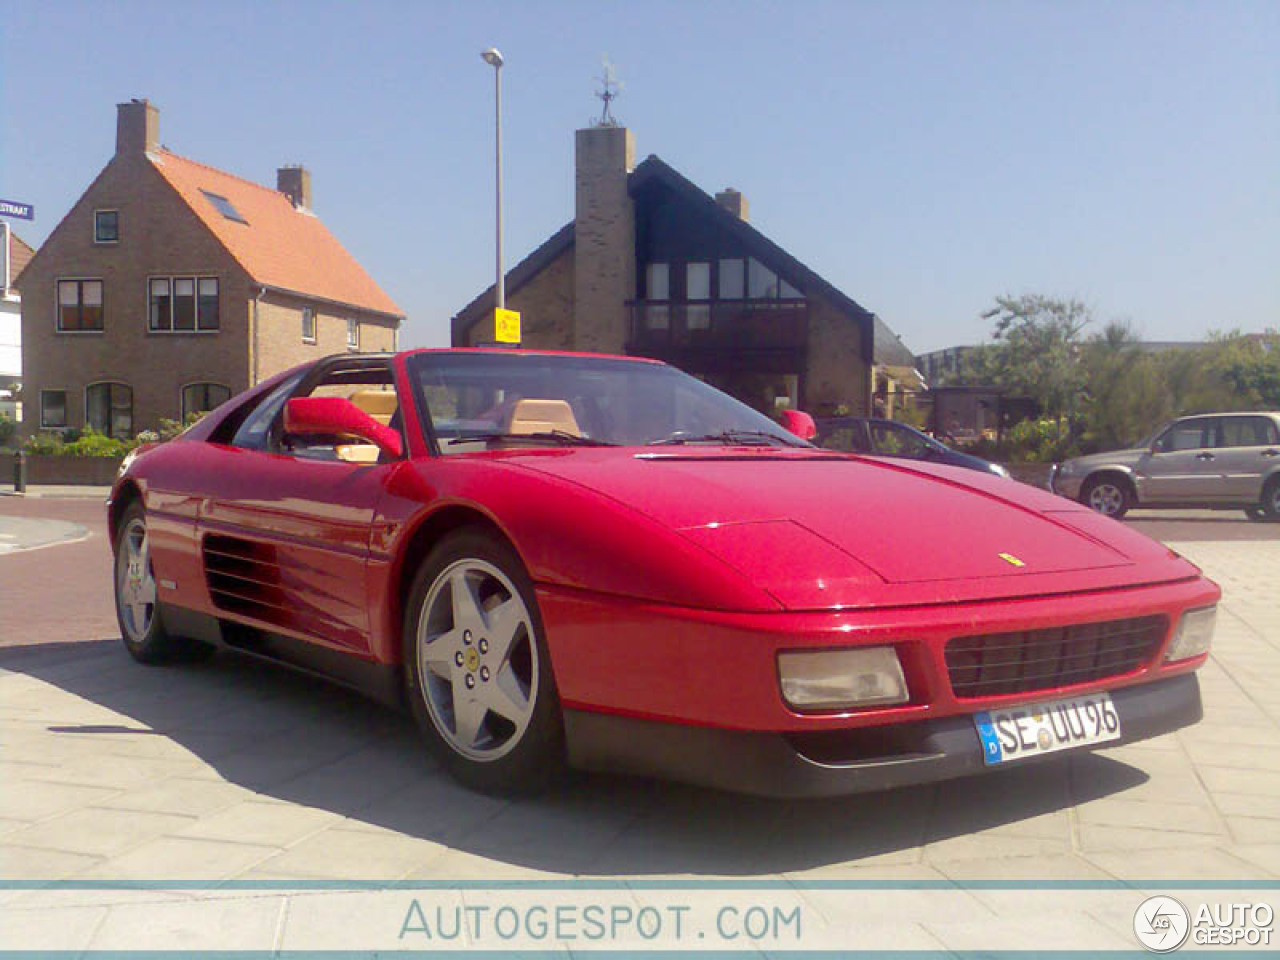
<point>494,59</point>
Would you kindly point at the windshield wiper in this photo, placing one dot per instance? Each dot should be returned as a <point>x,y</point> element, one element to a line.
<point>746,438</point>
<point>560,437</point>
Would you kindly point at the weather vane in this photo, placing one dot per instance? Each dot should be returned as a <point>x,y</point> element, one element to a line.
<point>610,90</point>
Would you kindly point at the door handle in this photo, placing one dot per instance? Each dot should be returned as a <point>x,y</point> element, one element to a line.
<point>1271,453</point>
<point>1204,456</point>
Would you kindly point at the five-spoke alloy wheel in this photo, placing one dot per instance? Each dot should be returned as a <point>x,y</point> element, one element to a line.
<point>1108,496</point>
<point>137,610</point>
<point>478,674</point>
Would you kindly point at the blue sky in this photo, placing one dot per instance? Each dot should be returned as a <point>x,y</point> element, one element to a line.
<point>922,156</point>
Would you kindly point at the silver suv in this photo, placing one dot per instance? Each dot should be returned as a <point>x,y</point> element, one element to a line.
<point>1217,460</point>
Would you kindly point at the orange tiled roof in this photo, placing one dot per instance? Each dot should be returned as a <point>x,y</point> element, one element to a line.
<point>279,246</point>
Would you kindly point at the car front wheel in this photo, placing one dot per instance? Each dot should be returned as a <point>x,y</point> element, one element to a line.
<point>137,611</point>
<point>477,671</point>
<point>1108,496</point>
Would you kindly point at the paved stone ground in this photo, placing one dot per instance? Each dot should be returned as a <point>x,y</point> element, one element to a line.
<point>232,771</point>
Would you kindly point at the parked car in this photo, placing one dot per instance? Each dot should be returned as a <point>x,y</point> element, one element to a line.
<point>1216,460</point>
<point>888,438</point>
<point>556,559</point>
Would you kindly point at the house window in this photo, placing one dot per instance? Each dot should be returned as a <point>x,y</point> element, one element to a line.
<point>308,325</point>
<point>53,408</point>
<point>353,333</point>
<point>106,226</point>
<point>182,304</point>
<point>657,287</point>
<point>161,313</point>
<point>762,283</point>
<point>79,305</point>
<point>108,409</point>
<point>732,280</point>
<point>207,317</point>
<point>697,286</point>
<point>203,397</point>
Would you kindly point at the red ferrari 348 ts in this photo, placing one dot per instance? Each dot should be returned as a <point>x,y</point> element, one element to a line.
<point>598,561</point>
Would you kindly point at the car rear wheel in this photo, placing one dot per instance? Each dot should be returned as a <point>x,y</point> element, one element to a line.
<point>137,611</point>
<point>1271,499</point>
<point>1107,495</point>
<point>477,671</point>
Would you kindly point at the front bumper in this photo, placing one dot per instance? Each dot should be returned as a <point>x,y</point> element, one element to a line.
<point>1068,486</point>
<point>835,762</point>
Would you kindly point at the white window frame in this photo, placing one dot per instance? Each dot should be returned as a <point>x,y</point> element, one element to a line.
<point>315,325</point>
<point>57,306</point>
<point>66,414</point>
<point>105,243</point>
<point>353,333</point>
<point>172,279</point>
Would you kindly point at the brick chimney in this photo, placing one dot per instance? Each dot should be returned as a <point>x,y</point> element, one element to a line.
<point>734,202</point>
<point>295,183</point>
<point>604,238</point>
<point>137,127</point>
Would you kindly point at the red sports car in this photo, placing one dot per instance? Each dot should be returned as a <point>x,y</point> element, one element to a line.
<point>599,561</point>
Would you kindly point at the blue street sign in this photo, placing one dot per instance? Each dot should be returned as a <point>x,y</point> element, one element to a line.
<point>11,208</point>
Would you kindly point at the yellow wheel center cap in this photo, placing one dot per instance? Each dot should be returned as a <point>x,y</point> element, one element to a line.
<point>472,659</point>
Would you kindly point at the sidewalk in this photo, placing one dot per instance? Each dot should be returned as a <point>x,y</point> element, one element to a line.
<point>56,491</point>
<point>244,780</point>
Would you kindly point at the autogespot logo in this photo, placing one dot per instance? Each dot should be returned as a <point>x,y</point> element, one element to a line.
<point>1161,924</point>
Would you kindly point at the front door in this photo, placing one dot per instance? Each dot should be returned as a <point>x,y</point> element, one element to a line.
<point>1182,465</point>
<point>285,530</point>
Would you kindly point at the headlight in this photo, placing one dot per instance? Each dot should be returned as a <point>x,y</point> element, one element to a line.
<point>1193,634</point>
<point>1064,469</point>
<point>833,679</point>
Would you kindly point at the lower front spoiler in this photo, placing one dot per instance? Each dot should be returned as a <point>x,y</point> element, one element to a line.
<point>835,762</point>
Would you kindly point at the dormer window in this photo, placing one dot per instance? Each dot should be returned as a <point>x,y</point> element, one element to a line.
<point>225,207</point>
<point>106,226</point>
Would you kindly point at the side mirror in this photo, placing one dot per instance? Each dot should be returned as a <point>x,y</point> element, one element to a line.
<point>336,416</point>
<point>799,423</point>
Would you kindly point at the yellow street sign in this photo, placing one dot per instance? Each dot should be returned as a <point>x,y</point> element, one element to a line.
<point>506,326</point>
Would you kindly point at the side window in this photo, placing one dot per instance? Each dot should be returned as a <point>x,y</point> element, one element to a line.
<point>1188,435</point>
<point>254,431</point>
<point>367,386</point>
<point>894,441</point>
<point>848,437</point>
<point>1246,432</point>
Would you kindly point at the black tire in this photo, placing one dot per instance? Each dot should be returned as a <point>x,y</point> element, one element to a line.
<point>1108,495</point>
<point>504,756</point>
<point>141,625</point>
<point>1271,500</point>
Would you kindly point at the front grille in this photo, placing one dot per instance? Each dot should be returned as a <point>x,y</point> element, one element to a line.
<point>1002,663</point>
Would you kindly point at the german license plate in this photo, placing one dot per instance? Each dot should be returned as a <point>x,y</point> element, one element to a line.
<point>1040,728</point>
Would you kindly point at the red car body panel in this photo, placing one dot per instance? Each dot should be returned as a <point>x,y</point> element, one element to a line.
<point>669,581</point>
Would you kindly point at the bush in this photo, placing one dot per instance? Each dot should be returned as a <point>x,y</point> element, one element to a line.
<point>90,443</point>
<point>8,430</point>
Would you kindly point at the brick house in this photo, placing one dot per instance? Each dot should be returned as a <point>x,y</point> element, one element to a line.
<point>653,266</point>
<point>171,286</point>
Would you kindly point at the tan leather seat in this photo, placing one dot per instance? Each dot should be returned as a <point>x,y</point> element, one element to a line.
<point>543,416</point>
<point>379,404</point>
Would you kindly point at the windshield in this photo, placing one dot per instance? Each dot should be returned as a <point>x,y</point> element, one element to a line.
<point>477,400</point>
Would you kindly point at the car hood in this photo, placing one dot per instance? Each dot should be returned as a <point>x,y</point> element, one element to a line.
<point>818,530</point>
<point>1115,457</point>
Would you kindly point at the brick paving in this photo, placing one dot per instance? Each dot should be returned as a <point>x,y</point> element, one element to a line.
<point>229,771</point>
